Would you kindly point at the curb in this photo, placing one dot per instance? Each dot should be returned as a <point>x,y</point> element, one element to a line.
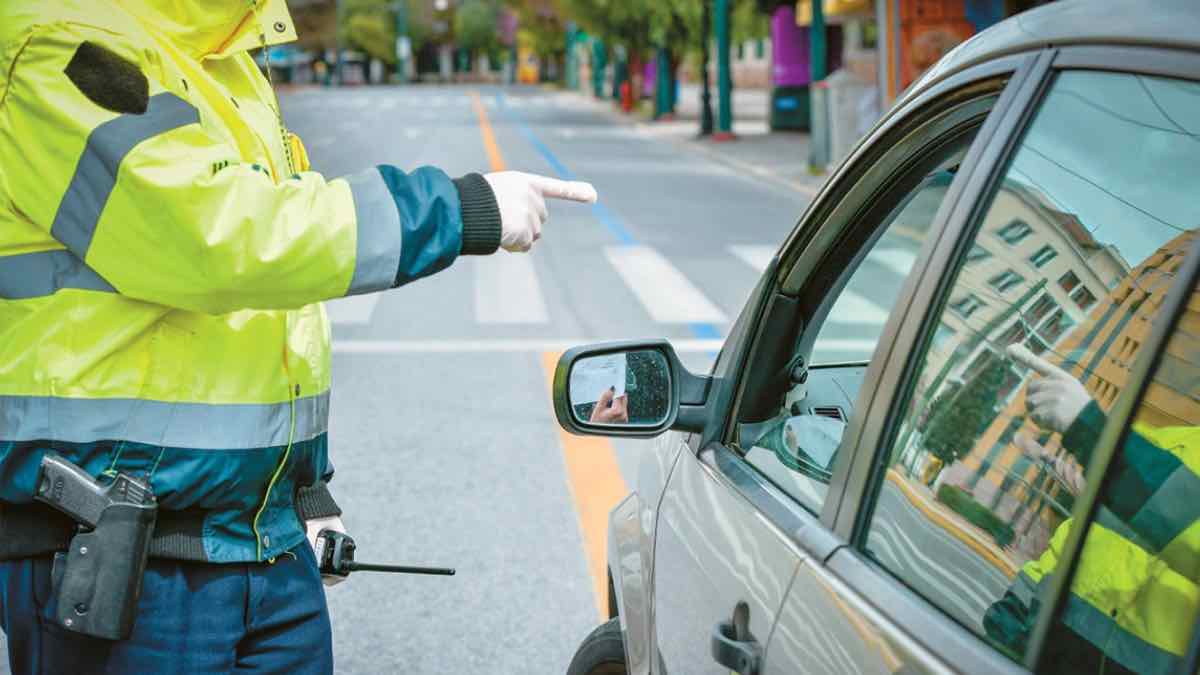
<point>951,527</point>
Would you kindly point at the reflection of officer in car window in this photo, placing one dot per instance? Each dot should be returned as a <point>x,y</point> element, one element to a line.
<point>1134,595</point>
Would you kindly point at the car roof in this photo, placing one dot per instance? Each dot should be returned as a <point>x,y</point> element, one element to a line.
<point>1159,23</point>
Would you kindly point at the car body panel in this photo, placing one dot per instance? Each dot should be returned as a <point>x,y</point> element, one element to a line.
<point>713,550</point>
<point>631,549</point>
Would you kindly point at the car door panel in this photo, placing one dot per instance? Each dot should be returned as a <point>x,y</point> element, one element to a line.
<point>713,550</point>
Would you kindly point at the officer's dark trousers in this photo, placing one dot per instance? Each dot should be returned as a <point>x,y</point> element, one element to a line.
<point>192,618</point>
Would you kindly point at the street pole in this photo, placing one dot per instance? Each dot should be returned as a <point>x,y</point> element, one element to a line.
<point>724,79</point>
<point>817,44</point>
<point>706,113</point>
<point>403,47</point>
<point>337,42</point>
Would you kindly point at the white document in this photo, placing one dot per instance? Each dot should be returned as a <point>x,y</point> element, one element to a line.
<point>593,375</point>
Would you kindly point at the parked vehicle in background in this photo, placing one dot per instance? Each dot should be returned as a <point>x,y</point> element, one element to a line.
<point>833,499</point>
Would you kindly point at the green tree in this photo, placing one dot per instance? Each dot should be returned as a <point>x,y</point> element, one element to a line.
<point>370,26</point>
<point>475,25</point>
<point>958,416</point>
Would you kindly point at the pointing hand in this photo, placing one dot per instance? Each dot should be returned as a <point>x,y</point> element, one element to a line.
<point>522,201</point>
<point>1056,398</point>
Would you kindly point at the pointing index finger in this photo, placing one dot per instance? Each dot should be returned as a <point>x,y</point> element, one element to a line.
<point>1021,354</point>
<point>571,190</point>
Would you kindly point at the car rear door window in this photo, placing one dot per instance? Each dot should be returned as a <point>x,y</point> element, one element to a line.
<point>974,488</point>
<point>1133,596</point>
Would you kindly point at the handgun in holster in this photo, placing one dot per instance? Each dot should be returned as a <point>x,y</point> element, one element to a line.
<point>96,583</point>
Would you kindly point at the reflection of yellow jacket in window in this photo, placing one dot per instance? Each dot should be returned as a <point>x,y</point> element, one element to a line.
<point>1134,595</point>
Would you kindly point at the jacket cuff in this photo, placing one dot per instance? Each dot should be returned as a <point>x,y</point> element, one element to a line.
<point>316,502</point>
<point>1080,438</point>
<point>480,215</point>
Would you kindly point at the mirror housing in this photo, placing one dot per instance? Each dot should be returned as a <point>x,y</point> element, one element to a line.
<point>686,393</point>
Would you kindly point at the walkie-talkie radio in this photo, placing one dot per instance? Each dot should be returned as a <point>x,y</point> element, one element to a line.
<point>335,554</point>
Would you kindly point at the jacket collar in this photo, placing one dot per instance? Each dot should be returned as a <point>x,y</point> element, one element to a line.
<point>216,28</point>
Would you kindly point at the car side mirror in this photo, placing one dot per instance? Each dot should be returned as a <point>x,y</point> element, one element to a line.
<point>632,389</point>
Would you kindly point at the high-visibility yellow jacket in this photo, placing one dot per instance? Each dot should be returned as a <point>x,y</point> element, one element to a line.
<point>1136,590</point>
<point>164,250</point>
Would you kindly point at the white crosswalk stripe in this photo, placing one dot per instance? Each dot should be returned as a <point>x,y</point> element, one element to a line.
<point>667,295</point>
<point>852,307</point>
<point>755,256</point>
<point>507,290</point>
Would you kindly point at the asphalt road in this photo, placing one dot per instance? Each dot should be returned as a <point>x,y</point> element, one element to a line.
<point>445,444</point>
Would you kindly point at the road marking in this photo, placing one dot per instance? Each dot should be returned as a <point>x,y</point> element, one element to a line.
<point>356,309</point>
<point>388,104</point>
<point>507,290</point>
<point>757,257</point>
<point>411,133</point>
<point>489,139</point>
<point>596,486</point>
<point>851,307</point>
<point>447,346</point>
<point>667,295</point>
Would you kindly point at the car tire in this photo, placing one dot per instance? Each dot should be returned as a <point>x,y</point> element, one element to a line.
<point>602,652</point>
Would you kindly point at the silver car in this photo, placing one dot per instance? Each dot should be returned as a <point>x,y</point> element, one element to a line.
<point>983,331</point>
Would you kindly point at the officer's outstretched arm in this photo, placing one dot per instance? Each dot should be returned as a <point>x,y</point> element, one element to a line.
<point>150,190</point>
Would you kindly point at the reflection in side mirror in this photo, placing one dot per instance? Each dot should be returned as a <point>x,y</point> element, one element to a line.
<point>621,389</point>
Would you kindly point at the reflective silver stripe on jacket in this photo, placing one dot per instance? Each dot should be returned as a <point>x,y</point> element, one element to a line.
<point>180,425</point>
<point>377,249</point>
<point>96,173</point>
<point>1119,644</point>
<point>1173,508</point>
<point>33,275</point>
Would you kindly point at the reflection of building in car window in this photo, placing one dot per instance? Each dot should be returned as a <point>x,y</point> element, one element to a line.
<point>998,472</point>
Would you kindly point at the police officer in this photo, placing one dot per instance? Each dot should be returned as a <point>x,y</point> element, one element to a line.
<point>164,251</point>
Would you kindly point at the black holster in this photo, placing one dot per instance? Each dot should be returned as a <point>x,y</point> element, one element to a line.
<point>97,582</point>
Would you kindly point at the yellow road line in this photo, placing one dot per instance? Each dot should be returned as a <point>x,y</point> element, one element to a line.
<point>489,138</point>
<point>953,529</point>
<point>596,486</point>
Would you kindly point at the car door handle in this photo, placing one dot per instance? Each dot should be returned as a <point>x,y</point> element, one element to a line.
<point>733,646</point>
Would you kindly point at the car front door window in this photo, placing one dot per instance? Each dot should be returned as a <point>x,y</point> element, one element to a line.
<point>798,447</point>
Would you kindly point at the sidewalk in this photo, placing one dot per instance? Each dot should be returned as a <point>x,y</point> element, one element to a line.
<point>778,156</point>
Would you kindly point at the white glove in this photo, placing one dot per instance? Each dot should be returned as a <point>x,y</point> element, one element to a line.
<point>522,201</point>
<point>1056,398</point>
<point>314,528</point>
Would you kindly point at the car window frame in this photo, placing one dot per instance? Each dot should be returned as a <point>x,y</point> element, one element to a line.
<point>713,446</point>
<point>852,520</point>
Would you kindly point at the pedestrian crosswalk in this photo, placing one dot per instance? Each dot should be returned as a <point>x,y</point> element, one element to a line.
<point>665,293</point>
<point>507,290</point>
<point>510,290</point>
